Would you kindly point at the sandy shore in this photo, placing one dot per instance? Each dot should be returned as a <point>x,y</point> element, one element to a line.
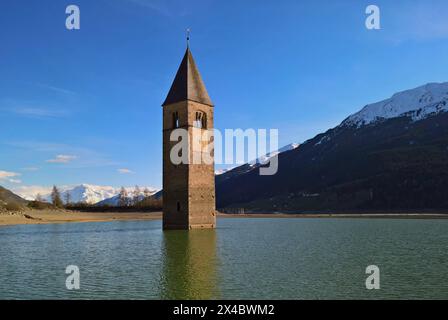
<point>62,216</point>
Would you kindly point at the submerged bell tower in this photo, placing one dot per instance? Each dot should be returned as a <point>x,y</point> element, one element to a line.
<point>188,188</point>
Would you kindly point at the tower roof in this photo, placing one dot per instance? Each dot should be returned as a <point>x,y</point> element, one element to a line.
<point>188,84</point>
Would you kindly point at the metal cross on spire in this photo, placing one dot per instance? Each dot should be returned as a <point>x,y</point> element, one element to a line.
<point>188,36</point>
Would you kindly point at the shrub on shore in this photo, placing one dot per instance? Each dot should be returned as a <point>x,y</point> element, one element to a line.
<point>13,207</point>
<point>40,205</point>
<point>146,205</point>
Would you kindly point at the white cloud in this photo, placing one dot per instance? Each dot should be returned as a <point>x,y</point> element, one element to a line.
<point>62,158</point>
<point>39,112</point>
<point>419,21</point>
<point>125,171</point>
<point>10,177</point>
<point>6,175</point>
<point>56,89</point>
<point>33,109</point>
<point>85,157</point>
<point>30,169</point>
<point>158,6</point>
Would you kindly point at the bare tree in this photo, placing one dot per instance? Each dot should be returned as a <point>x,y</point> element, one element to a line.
<point>67,198</point>
<point>136,197</point>
<point>56,198</point>
<point>123,198</point>
<point>147,193</point>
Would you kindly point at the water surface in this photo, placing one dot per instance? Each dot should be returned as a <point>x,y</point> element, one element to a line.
<point>243,259</point>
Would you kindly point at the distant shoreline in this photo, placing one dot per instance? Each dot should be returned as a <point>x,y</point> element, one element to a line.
<point>339,215</point>
<point>64,216</point>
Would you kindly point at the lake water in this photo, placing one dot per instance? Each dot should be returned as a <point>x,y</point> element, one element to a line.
<point>242,259</point>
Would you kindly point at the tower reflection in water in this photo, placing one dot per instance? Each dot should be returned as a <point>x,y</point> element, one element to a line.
<point>189,268</point>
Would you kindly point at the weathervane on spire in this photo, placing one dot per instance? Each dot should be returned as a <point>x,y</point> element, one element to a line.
<point>188,36</point>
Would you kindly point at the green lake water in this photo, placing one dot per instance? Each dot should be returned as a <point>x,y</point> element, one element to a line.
<point>242,259</point>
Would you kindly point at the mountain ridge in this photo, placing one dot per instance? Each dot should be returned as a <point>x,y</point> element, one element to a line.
<point>8,197</point>
<point>395,162</point>
<point>418,103</point>
<point>89,193</point>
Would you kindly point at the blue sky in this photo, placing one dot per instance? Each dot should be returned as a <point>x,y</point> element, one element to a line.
<point>83,106</point>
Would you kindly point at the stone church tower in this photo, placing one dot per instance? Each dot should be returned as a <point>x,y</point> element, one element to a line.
<point>188,189</point>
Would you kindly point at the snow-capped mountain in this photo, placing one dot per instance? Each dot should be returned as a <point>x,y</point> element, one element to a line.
<point>86,193</point>
<point>391,155</point>
<point>253,165</point>
<point>261,160</point>
<point>130,197</point>
<point>418,104</point>
<point>112,201</point>
<point>265,159</point>
<point>222,171</point>
<point>91,194</point>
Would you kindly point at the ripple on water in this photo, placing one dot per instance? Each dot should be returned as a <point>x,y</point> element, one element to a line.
<point>242,259</point>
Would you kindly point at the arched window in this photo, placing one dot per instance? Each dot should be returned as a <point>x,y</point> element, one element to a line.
<point>200,120</point>
<point>175,120</point>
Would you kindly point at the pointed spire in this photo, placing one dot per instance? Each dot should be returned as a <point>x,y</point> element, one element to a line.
<point>188,84</point>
